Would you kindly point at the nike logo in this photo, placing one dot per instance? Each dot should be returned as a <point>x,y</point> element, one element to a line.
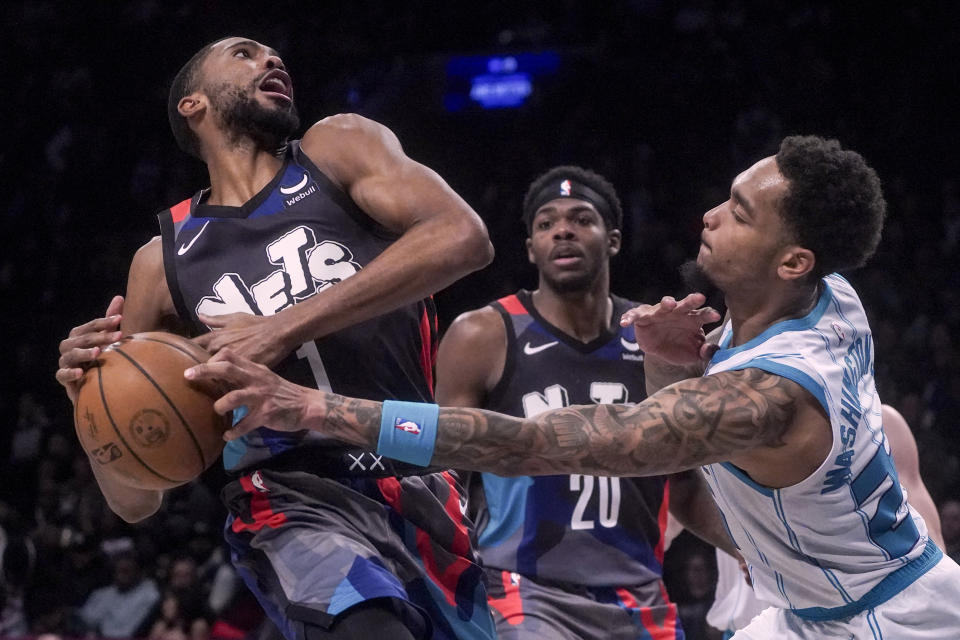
<point>527,349</point>
<point>629,346</point>
<point>300,185</point>
<point>184,248</point>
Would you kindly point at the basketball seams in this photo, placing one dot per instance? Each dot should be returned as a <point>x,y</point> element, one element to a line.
<point>169,402</point>
<point>172,345</point>
<point>113,423</point>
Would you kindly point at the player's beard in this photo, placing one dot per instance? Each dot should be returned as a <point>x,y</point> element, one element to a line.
<point>245,118</point>
<point>698,280</point>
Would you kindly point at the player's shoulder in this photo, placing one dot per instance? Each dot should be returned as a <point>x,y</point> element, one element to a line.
<point>347,127</point>
<point>151,250</point>
<point>471,357</point>
<point>479,326</point>
<point>348,146</point>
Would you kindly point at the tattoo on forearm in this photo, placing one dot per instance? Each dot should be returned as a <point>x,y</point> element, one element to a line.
<point>685,425</point>
<point>352,420</point>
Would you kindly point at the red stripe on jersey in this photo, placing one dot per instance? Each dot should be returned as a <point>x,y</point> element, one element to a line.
<point>513,306</point>
<point>447,579</point>
<point>261,513</point>
<point>179,211</point>
<point>662,521</point>
<point>663,592</point>
<point>510,606</point>
<point>391,490</point>
<point>627,599</point>
<point>665,631</point>
<point>428,353</point>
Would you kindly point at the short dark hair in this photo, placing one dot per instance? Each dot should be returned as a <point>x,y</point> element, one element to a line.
<point>585,176</point>
<point>834,205</point>
<point>185,83</point>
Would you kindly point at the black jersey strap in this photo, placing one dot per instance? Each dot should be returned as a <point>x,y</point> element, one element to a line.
<point>510,361</point>
<point>168,242</point>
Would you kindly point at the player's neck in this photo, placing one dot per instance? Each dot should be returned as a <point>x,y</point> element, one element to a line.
<point>583,315</point>
<point>755,310</point>
<point>238,172</point>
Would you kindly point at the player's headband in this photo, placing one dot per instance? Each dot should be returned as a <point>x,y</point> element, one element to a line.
<point>567,188</point>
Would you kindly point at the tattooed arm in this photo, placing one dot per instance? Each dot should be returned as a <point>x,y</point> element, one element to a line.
<point>690,423</point>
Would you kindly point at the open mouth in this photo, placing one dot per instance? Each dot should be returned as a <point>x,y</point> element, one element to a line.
<point>277,84</point>
<point>566,256</point>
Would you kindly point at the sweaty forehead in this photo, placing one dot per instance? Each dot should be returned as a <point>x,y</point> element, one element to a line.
<point>762,181</point>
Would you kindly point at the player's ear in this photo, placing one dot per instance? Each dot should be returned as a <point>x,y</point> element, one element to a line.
<point>614,242</point>
<point>796,262</point>
<point>192,105</point>
<point>530,251</point>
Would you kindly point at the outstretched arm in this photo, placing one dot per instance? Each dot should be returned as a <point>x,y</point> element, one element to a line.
<point>691,423</point>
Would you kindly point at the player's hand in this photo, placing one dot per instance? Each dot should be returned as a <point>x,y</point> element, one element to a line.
<point>257,338</point>
<point>673,330</point>
<point>84,343</point>
<point>270,400</point>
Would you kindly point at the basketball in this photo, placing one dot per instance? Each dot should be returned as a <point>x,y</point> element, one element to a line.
<point>141,420</point>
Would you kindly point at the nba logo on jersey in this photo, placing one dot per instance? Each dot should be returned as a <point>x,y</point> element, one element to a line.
<point>408,425</point>
<point>565,188</point>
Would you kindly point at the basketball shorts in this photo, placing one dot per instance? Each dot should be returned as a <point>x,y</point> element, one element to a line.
<point>527,610</point>
<point>927,609</point>
<point>310,547</point>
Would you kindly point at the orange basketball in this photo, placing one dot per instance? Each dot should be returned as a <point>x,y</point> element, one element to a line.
<point>141,420</point>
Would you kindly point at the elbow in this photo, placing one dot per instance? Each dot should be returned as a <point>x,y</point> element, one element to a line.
<point>133,512</point>
<point>132,515</point>
<point>472,248</point>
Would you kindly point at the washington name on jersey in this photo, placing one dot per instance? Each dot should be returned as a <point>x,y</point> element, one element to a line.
<point>844,539</point>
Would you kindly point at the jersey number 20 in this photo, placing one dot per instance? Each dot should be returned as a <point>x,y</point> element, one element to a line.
<point>608,498</point>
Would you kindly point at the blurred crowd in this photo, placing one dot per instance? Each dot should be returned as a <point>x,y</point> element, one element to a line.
<point>667,100</point>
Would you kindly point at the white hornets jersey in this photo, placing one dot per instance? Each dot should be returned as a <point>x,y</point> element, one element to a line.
<point>844,539</point>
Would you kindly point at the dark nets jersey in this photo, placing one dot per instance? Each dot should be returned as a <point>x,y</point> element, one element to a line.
<point>298,236</point>
<point>578,529</point>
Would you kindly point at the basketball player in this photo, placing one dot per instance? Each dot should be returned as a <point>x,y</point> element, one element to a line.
<point>315,257</point>
<point>785,423</point>
<point>735,603</point>
<point>567,556</point>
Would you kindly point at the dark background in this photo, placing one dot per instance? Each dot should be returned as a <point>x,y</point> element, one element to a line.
<point>668,100</point>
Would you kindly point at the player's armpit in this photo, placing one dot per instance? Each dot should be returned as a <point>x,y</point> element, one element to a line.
<point>691,423</point>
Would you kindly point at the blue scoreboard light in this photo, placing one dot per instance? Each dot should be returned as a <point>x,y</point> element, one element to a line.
<point>496,82</point>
